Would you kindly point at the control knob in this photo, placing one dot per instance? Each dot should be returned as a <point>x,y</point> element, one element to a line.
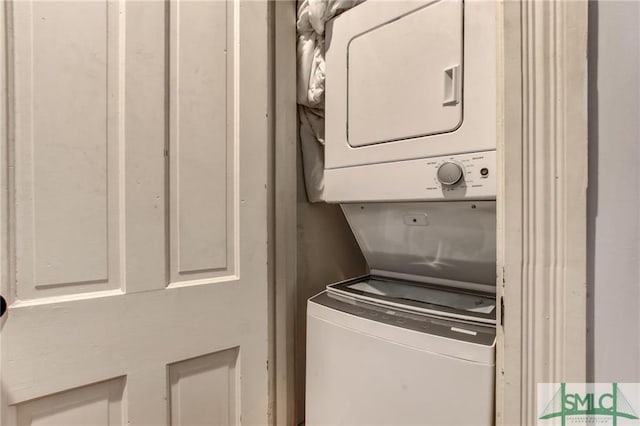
<point>449,173</point>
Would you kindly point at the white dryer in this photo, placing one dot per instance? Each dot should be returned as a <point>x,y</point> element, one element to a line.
<point>411,86</point>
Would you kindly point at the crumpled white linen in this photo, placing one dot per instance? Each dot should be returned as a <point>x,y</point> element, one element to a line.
<point>312,17</point>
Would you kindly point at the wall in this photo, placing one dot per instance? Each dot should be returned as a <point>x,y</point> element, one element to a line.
<point>327,252</point>
<point>614,191</point>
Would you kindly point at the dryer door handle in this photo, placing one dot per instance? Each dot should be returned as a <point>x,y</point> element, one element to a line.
<point>452,86</point>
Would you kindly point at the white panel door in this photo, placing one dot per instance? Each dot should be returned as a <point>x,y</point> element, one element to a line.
<point>134,212</point>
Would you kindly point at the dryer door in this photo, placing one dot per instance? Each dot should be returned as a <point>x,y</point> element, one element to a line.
<point>405,76</point>
<point>408,80</point>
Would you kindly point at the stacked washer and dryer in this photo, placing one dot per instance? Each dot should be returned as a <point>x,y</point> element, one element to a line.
<point>410,156</point>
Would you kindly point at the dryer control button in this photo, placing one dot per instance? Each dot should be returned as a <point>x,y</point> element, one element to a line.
<point>449,173</point>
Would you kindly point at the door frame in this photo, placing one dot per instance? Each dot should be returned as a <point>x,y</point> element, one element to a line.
<point>6,179</point>
<point>542,201</point>
<point>284,201</point>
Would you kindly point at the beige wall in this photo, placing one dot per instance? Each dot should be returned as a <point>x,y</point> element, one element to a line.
<point>327,252</point>
<point>614,191</point>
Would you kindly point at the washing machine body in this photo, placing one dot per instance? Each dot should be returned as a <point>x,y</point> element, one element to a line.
<point>382,362</point>
<point>413,342</point>
<point>410,86</point>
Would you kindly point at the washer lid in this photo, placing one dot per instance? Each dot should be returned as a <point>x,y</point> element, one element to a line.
<point>449,242</point>
<point>405,76</point>
<point>427,299</point>
<point>476,332</point>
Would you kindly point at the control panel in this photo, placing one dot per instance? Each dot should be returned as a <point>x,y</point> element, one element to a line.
<point>461,176</point>
<point>453,177</point>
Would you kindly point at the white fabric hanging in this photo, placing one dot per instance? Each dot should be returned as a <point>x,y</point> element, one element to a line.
<point>312,17</point>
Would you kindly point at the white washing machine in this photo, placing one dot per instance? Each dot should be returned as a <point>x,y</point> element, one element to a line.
<point>413,343</point>
<point>375,359</point>
<point>410,85</point>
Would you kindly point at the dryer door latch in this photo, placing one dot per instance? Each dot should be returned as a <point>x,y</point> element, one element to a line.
<point>451,86</point>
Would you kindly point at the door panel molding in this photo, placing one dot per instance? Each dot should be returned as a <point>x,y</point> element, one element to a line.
<point>67,144</point>
<point>202,141</point>
<point>542,148</point>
